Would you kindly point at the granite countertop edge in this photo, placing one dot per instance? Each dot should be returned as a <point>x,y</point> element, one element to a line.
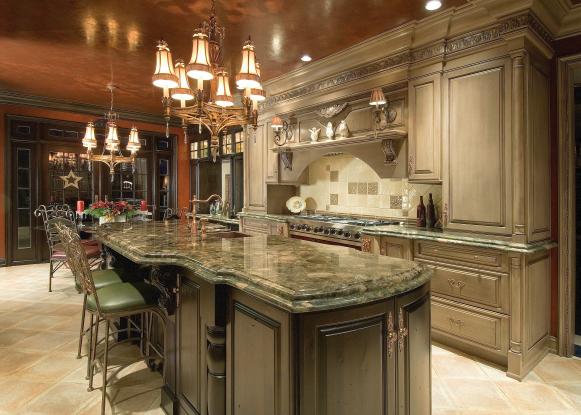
<point>357,294</point>
<point>431,235</point>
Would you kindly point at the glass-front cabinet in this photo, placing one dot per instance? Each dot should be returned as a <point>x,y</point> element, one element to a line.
<point>223,176</point>
<point>48,165</point>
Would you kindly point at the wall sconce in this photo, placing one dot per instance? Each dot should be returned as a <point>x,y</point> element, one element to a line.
<point>384,114</point>
<point>283,132</point>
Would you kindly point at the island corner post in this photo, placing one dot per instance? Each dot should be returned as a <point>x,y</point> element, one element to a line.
<point>241,341</point>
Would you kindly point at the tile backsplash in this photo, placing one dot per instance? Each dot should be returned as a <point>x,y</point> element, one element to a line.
<point>345,184</point>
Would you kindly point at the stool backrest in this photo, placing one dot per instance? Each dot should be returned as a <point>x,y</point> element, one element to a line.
<point>77,259</point>
<point>49,213</point>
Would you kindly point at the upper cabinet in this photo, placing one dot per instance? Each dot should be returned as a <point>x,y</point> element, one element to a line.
<point>477,148</point>
<point>424,140</point>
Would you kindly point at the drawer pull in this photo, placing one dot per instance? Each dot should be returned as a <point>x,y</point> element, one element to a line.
<point>454,322</point>
<point>391,335</point>
<point>456,284</point>
<point>402,331</point>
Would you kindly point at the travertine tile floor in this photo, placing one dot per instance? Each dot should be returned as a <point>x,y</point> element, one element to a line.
<point>39,372</point>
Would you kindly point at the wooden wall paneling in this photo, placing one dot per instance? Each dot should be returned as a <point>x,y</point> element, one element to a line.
<point>396,247</point>
<point>254,160</point>
<point>271,157</point>
<point>477,187</point>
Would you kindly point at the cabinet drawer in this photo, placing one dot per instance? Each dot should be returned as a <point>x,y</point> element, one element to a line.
<point>482,288</point>
<point>475,257</point>
<point>470,325</point>
<point>255,226</point>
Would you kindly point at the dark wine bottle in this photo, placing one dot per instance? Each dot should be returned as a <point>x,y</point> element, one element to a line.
<point>430,212</point>
<point>421,214</point>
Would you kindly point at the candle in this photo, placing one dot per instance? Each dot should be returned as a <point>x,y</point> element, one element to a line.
<point>80,206</point>
<point>143,206</point>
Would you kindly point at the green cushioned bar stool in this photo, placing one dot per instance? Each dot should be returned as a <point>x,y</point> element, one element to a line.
<point>109,303</point>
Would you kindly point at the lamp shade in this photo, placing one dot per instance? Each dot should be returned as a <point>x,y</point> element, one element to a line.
<point>89,140</point>
<point>164,76</point>
<point>223,95</point>
<point>276,123</point>
<point>257,94</point>
<point>248,76</point>
<point>112,140</point>
<point>133,145</point>
<point>183,91</point>
<point>377,97</point>
<point>200,64</point>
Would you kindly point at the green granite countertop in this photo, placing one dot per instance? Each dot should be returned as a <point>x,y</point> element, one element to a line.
<point>410,232</point>
<point>298,276</point>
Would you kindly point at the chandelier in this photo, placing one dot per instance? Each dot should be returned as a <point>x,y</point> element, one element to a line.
<point>111,154</point>
<point>215,110</point>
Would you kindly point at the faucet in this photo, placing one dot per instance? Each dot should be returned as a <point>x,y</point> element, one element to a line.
<point>193,202</point>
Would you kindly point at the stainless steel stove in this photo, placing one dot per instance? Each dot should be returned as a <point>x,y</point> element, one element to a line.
<point>339,230</point>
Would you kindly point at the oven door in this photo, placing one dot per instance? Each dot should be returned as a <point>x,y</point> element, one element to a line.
<point>322,239</point>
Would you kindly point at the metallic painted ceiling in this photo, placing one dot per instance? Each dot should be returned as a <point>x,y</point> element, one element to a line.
<point>67,49</point>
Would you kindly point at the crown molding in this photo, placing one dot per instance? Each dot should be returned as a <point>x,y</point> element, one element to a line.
<point>407,56</point>
<point>16,98</point>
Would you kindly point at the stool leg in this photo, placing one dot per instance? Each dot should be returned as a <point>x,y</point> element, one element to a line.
<point>104,368</point>
<point>90,353</point>
<point>50,272</point>
<point>82,332</point>
<point>93,354</point>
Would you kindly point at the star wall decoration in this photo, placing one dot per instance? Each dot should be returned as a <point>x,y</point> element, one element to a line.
<point>71,180</point>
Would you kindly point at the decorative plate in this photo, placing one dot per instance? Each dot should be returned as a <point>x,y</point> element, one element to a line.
<point>296,204</point>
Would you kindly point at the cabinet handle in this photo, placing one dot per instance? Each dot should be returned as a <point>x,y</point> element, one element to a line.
<point>454,322</point>
<point>456,284</point>
<point>391,335</point>
<point>402,331</point>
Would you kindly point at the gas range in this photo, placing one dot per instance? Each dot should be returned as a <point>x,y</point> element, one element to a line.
<point>340,230</point>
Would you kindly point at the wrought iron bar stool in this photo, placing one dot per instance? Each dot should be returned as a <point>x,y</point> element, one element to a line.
<point>50,215</point>
<point>111,302</point>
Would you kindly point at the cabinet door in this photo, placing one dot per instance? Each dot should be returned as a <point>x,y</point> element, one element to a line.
<point>348,364</point>
<point>424,159</point>
<point>477,150</point>
<point>189,347</point>
<point>414,372</point>
<point>254,167</point>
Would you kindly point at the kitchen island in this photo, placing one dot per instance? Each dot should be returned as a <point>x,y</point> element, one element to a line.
<point>269,325</point>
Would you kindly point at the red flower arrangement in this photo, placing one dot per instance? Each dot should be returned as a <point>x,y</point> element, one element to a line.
<point>110,209</point>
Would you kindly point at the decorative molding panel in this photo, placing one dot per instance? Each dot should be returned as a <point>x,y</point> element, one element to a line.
<point>511,24</point>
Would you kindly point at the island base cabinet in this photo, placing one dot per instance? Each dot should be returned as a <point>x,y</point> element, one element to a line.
<point>372,359</point>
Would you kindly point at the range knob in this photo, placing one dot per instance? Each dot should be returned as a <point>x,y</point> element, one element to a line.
<point>357,235</point>
<point>327,231</point>
<point>347,235</point>
<point>308,228</point>
<point>333,231</point>
<point>292,226</point>
<point>339,231</point>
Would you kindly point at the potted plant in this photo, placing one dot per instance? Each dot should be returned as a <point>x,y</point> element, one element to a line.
<point>107,211</point>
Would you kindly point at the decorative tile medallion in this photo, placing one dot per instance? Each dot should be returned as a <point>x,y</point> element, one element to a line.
<point>334,199</point>
<point>362,188</point>
<point>372,188</point>
<point>334,176</point>
<point>395,202</point>
<point>352,188</point>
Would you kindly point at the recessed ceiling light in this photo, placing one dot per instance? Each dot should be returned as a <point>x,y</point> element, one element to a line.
<point>433,5</point>
<point>306,58</point>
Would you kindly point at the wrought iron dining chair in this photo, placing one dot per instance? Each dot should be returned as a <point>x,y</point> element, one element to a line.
<point>50,215</point>
<point>109,303</point>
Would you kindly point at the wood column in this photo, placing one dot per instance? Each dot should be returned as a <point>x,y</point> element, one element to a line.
<point>519,110</point>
